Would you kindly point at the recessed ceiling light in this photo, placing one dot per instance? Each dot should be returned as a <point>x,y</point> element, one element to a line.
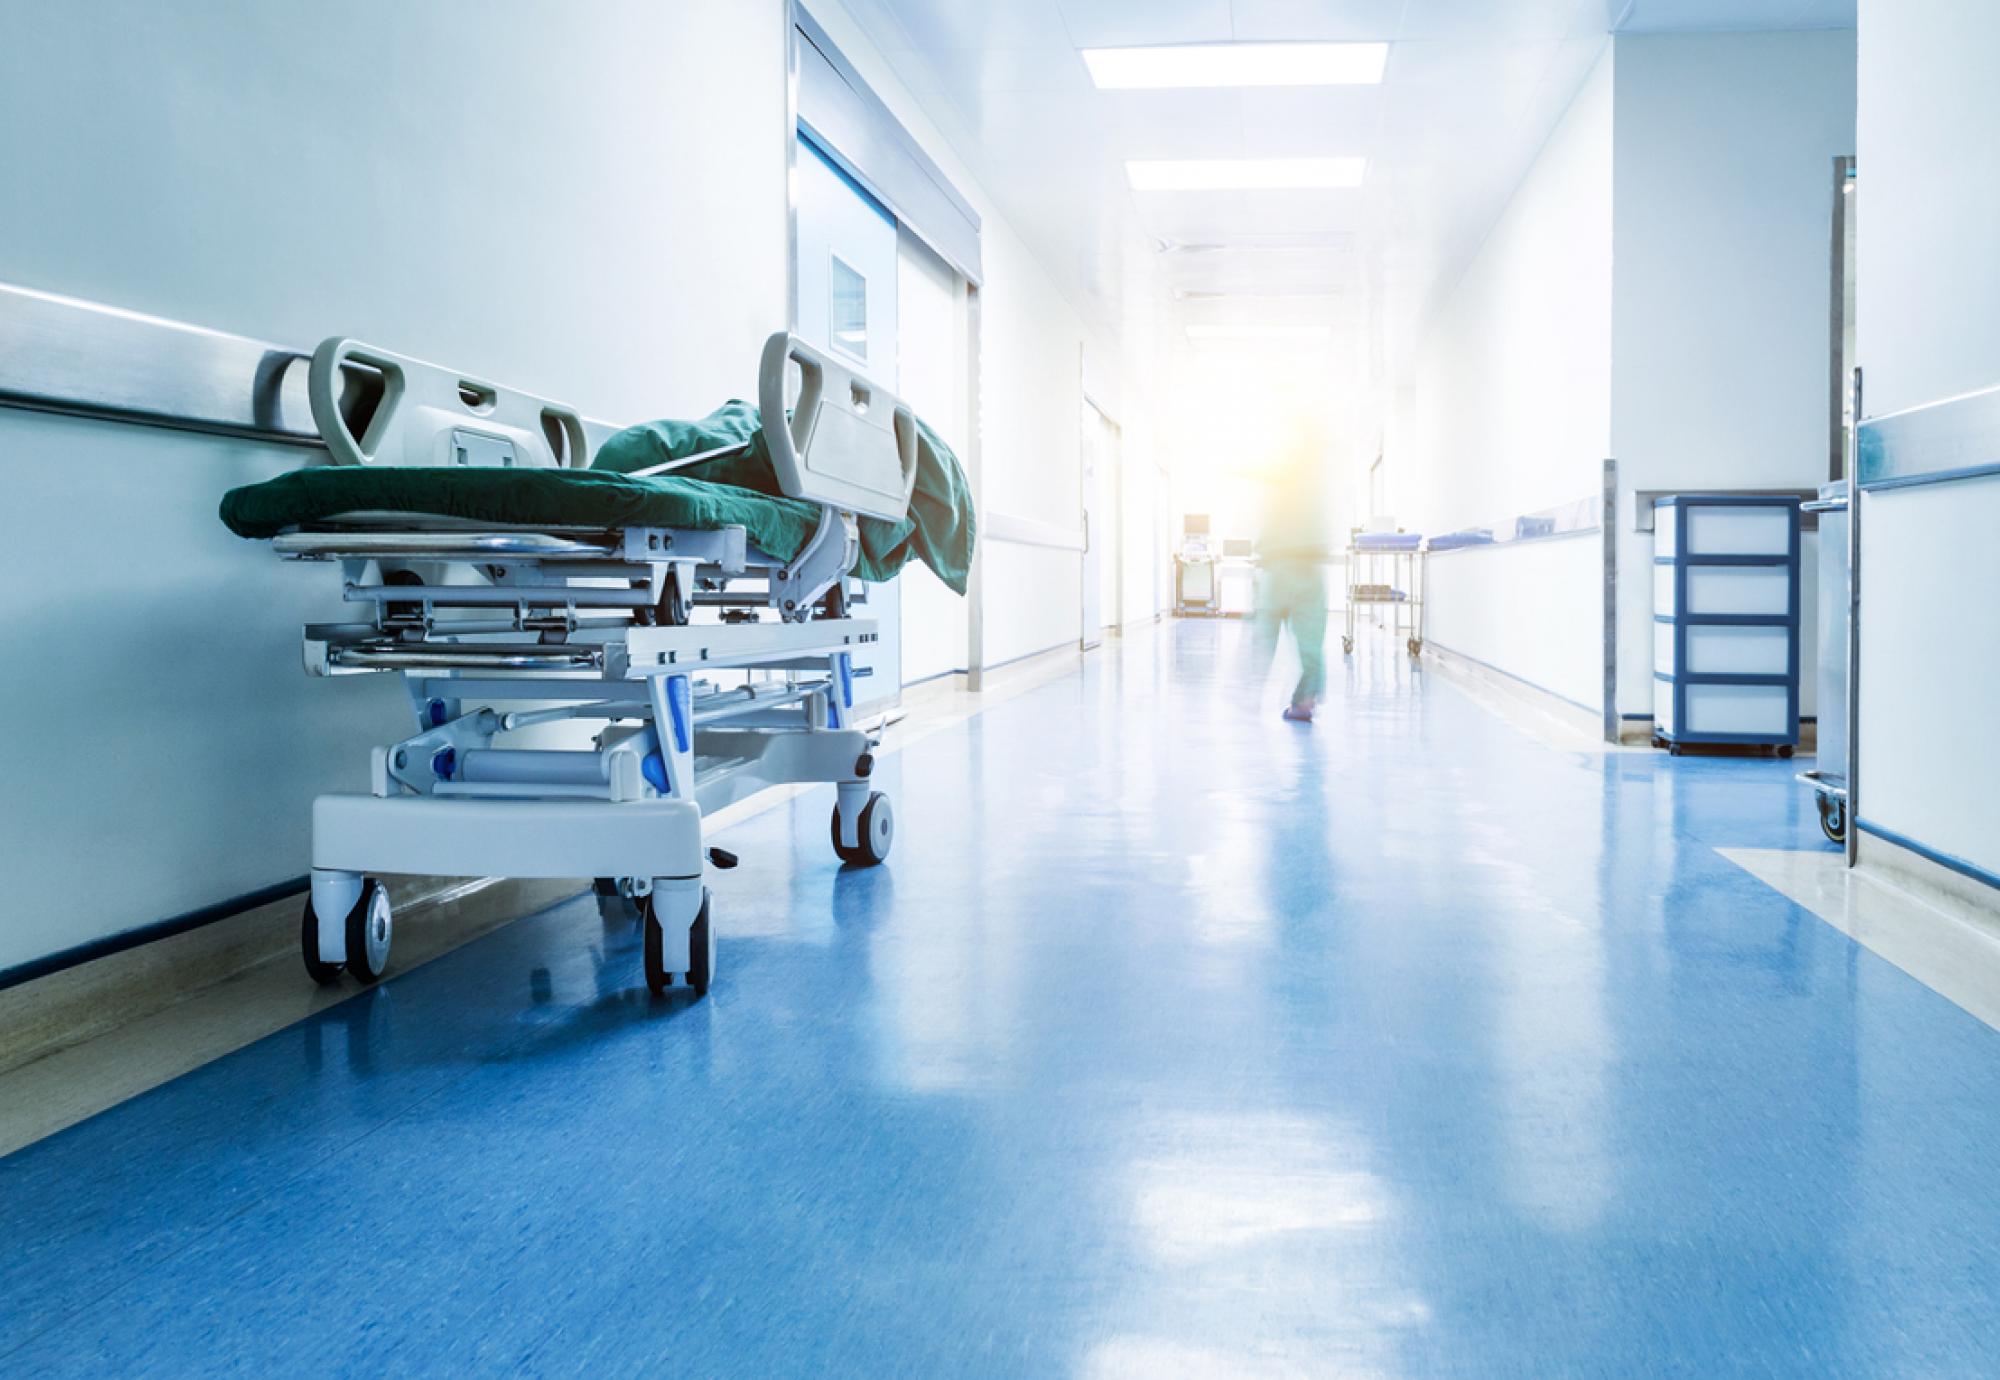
<point>1237,64</point>
<point>1242,174</point>
<point>1258,331</point>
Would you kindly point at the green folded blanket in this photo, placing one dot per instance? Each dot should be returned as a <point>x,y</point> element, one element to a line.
<point>739,490</point>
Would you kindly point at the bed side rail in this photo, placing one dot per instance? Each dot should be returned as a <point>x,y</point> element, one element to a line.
<point>848,444</point>
<point>374,407</point>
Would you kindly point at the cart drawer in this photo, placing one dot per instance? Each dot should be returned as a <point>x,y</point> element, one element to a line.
<point>1759,589</point>
<point>1764,710</point>
<point>1724,650</point>
<point>1715,530</point>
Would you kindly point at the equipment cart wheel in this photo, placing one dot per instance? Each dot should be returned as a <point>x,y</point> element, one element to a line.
<point>1347,645</point>
<point>370,927</point>
<point>1833,818</point>
<point>1416,646</point>
<point>318,969</point>
<point>701,949</point>
<point>877,831</point>
<point>1785,749</point>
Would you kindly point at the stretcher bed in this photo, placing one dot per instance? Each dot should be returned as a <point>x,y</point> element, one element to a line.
<point>498,567</point>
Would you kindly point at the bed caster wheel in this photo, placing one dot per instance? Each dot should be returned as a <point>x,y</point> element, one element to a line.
<point>1347,646</point>
<point>1833,818</point>
<point>1786,749</point>
<point>1416,646</point>
<point>877,831</point>
<point>317,968</point>
<point>675,607</point>
<point>701,950</point>
<point>370,927</point>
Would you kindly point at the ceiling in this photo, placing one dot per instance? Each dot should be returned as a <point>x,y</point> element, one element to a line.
<point>1472,89</point>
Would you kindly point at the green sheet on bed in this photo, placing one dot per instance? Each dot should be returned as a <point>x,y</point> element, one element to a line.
<point>734,491</point>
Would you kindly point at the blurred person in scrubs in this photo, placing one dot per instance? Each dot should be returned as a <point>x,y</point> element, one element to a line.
<point>1292,553</point>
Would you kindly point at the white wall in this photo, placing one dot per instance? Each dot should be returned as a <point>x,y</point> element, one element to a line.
<point>1511,405</point>
<point>1508,410</point>
<point>1722,263</point>
<point>1929,289</point>
<point>1476,611</point>
<point>289,173</point>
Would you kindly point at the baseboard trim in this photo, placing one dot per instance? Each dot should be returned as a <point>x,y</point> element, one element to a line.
<point>1561,708</point>
<point>151,933</point>
<point>89,998</point>
<point>1938,877</point>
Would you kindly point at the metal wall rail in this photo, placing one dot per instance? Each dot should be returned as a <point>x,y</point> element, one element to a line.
<point>1938,443</point>
<point>84,359</point>
<point>60,354</point>
<point>1574,519</point>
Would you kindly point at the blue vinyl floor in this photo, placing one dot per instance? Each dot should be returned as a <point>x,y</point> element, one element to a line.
<point>1172,1040</point>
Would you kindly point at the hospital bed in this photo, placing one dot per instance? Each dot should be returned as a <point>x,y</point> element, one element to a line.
<point>506,631</point>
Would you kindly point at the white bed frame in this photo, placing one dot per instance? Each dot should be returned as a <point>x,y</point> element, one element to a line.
<point>588,624</point>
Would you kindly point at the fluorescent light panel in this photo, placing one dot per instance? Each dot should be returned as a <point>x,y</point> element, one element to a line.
<point>1243,174</point>
<point>1237,64</point>
<point>1264,331</point>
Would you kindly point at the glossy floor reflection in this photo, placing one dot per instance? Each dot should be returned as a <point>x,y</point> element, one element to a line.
<point>1173,1039</point>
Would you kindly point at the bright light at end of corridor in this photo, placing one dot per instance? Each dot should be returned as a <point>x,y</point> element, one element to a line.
<point>1301,333</point>
<point>1243,174</point>
<point>1237,64</point>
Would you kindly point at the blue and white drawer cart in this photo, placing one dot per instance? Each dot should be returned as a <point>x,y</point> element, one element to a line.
<point>1726,621</point>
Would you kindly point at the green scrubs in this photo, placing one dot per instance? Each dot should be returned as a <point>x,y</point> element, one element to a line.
<point>1291,592</point>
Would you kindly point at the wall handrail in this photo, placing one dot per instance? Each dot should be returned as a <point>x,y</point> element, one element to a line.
<point>85,359</point>
<point>1573,519</point>
<point>1943,442</point>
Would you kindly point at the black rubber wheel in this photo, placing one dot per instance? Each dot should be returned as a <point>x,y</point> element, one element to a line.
<point>675,607</point>
<point>369,929</point>
<point>877,832</point>
<point>658,979</point>
<point>316,969</point>
<point>1785,749</point>
<point>701,949</point>
<point>1833,819</point>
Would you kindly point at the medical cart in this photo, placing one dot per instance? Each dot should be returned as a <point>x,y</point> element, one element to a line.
<point>1726,621</point>
<point>1384,569</point>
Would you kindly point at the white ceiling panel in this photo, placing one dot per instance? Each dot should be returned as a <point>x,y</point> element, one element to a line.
<point>1322,20</point>
<point>1123,24</point>
<point>976,24</point>
<point>1503,19</point>
<point>1010,69</point>
<point>1204,216</point>
<point>1296,121</point>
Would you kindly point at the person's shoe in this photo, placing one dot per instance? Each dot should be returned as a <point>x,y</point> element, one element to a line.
<point>1300,713</point>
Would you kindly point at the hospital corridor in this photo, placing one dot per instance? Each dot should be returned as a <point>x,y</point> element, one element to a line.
<point>1075,688</point>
